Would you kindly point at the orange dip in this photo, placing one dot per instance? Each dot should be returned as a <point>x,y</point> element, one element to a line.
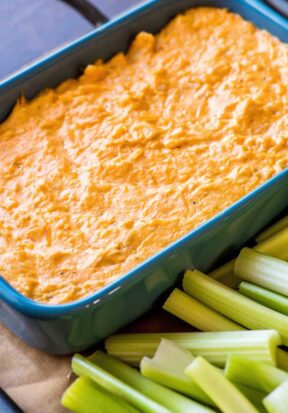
<point>106,170</point>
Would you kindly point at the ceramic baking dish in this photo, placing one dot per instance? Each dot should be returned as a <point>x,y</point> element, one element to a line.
<point>62,329</point>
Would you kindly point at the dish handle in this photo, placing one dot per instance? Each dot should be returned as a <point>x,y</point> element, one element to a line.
<point>280,5</point>
<point>88,10</point>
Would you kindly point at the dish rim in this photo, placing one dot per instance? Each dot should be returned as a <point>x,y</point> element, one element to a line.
<point>33,308</point>
<point>115,24</point>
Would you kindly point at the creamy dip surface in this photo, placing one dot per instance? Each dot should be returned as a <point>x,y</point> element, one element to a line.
<point>106,170</point>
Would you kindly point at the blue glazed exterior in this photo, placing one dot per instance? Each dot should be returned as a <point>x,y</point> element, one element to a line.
<point>63,329</point>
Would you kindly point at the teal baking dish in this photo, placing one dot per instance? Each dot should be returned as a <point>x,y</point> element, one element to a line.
<point>63,329</point>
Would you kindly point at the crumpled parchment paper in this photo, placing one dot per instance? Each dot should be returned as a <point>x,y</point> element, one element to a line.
<point>33,379</point>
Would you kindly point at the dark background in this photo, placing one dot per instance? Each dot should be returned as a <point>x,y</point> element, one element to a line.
<point>31,28</point>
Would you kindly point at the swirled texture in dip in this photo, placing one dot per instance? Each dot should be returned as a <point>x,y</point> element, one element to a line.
<point>104,171</point>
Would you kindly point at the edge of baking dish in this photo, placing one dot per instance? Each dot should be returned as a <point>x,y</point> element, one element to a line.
<point>22,314</point>
<point>31,307</point>
<point>21,82</point>
<point>24,304</point>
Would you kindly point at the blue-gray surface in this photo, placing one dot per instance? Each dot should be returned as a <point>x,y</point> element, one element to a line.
<point>31,28</point>
<point>113,7</point>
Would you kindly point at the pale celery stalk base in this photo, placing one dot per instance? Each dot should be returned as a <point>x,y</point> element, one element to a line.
<point>224,394</point>
<point>254,395</point>
<point>84,396</point>
<point>262,270</point>
<point>84,367</point>
<point>167,368</point>
<point>272,230</point>
<point>266,297</point>
<point>215,347</point>
<point>275,246</point>
<point>282,359</point>
<point>225,275</point>
<point>197,314</point>
<point>277,401</point>
<point>281,356</point>
<point>234,305</point>
<point>253,374</point>
<point>171,400</point>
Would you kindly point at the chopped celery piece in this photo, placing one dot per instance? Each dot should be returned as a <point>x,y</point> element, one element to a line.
<point>197,314</point>
<point>225,395</point>
<point>272,230</point>
<point>281,355</point>
<point>282,359</point>
<point>225,274</point>
<point>254,395</point>
<point>275,246</point>
<point>84,396</point>
<point>277,401</point>
<point>84,367</point>
<point>167,368</point>
<point>234,305</point>
<point>266,297</point>
<point>262,270</point>
<point>251,373</point>
<point>173,401</point>
<point>259,345</point>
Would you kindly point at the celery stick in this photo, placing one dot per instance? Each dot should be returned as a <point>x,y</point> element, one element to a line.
<point>262,270</point>
<point>234,305</point>
<point>275,246</point>
<point>266,297</point>
<point>277,401</point>
<point>167,368</point>
<point>282,359</point>
<point>254,395</point>
<point>197,314</point>
<point>253,374</point>
<point>281,356</point>
<point>259,345</point>
<point>225,395</point>
<point>173,401</point>
<point>84,367</point>
<point>225,274</point>
<point>84,396</point>
<point>272,230</point>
